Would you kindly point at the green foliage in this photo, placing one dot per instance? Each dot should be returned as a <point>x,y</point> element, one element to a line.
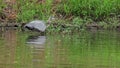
<point>2,5</point>
<point>32,10</point>
<point>80,12</point>
<point>78,21</point>
<point>95,9</point>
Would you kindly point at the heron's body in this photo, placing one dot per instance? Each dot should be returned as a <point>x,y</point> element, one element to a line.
<point>37,25</point>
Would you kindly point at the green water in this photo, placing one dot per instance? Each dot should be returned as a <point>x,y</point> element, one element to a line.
<point>100,49</point>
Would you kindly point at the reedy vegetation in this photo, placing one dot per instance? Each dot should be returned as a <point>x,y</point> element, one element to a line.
<point>95,9</point>
<point>85,10</point>
<point>28,10</point>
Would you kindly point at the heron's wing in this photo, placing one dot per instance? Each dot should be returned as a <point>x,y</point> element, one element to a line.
<point>40,26</point>
<point>29,25</point>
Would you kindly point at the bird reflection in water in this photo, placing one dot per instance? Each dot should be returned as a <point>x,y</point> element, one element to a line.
<point>36,40</point>
<point>37,44</point>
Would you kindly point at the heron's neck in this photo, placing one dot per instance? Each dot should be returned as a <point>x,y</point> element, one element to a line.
<point>48,23</point>
<point>49,20</point>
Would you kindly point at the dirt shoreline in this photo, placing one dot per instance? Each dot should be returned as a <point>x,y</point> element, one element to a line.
<point>92,26</point>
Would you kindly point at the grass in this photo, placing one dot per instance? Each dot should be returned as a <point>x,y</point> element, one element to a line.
<point>76,11</point>
<point>2,5</point>
<point>94,9</point>
<point>32,10</point>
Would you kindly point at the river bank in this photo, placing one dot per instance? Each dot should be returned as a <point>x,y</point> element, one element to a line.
<point>68,14</point>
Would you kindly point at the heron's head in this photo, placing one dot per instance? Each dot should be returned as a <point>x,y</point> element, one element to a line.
<point>50,19</point>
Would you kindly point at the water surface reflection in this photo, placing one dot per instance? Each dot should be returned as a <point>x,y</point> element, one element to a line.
<point>8,42</point>
<point>80,50</point>
<point>37,44</point>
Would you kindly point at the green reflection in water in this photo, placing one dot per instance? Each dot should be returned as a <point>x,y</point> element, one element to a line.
<point>99,49</point>
<point>85,50</point>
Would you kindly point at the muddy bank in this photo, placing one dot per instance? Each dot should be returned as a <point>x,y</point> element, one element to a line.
<point>91,26</point>
<point>10,24</point>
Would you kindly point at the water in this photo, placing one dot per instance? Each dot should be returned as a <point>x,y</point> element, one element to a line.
<point>97,49</point>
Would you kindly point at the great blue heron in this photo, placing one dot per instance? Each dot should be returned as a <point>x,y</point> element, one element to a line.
<point>37,25</point>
